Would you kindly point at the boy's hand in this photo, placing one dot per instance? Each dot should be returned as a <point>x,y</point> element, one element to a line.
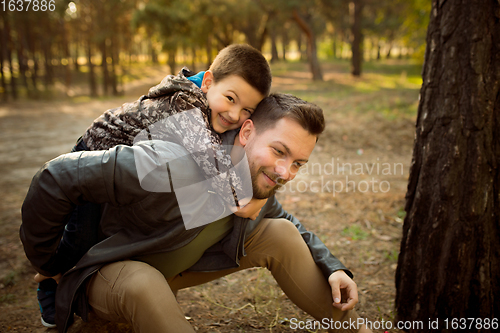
<point>39,277</point>
<point>251,210</point>
<point>344,290</point>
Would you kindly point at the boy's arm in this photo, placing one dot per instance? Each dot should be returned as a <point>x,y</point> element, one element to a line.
<point>251,210</point>
<point>69,180</point>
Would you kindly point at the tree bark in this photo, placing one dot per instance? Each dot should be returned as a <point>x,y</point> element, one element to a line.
<point>104,66</point>
<point>312,54</point>
<point>299,47</point>
<point>449,263</point>
<point>21,60</point>
<point>171,60</point>
<point>284,43</point>
<point>274,47</point>
<point>357,37</point>
<point>8,53</point>
<point>67,56</point>
<point>193,58</point>
<point>208,48</point>
<point>3,41</point>
<point>115,61</point>
<point>48,68</point>
<point>92,81</point>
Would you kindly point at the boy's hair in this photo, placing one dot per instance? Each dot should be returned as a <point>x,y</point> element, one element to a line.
<point>277,106</point>
<point>246,62</point>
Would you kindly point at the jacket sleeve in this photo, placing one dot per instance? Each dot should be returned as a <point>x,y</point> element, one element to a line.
<point>326,261</point>
<point>68,180</point>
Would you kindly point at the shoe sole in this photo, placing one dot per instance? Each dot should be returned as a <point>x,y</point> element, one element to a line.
<point>44,323</point>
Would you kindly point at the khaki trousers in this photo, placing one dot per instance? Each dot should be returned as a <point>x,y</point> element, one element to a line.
<point>138,294</point>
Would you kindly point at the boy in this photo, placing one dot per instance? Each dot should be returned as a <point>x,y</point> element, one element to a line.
<point>225,95</point>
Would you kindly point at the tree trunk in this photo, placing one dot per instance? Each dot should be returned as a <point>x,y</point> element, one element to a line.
<point>389,51</point>
<point>92,81</point>
<point>449,264</point>
<point>171,61</point>
<point>312,55</point>
<point>104,66</point>
<point>334,46</point>
<point>8,53</point>
<point>284,43</point>
<point>193,58</point>
<point>274,47</point>
<point>21,61</point>
<point>115,60</point>
<point>32,39</point>
<point>357,37</point>
<point>208,49</point>
<point>2,56</point>
<point>76,54</point>
<point>66,55</point>
<point>299,46</point>
<point>49,70</point>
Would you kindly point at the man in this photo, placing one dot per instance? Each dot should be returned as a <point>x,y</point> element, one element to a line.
<point>147,226</point>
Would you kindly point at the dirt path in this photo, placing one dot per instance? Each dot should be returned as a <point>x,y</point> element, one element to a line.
<point>361,227</point>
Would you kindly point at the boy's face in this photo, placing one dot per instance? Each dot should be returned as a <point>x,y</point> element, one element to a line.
<point>232,101</point>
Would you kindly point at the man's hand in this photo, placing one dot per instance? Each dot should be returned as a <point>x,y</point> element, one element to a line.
<point>251,210</point>
<point>39,277</point>
<point>344,290</point>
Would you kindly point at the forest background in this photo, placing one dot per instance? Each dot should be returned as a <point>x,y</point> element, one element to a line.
<point>65,43</point>
<point>359,60</point>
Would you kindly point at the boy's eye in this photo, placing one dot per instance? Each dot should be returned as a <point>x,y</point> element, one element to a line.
<point>229,98</point>
<point>279,152</point>
<point>249,111</point>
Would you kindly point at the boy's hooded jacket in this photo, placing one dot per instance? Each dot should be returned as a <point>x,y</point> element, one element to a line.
<point>176,95</point>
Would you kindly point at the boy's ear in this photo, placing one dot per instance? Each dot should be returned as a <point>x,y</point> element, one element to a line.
<point>208,80</point>
<point>246,131</point>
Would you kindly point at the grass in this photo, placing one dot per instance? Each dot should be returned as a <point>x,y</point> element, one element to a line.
<point>354,232</point>
<point>386,88</point>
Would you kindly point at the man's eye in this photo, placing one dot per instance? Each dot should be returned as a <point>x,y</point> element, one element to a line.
<point>279,152</point>
<point>298,165</point>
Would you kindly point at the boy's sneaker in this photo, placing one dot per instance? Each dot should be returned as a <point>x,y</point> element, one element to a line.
<point>46,295</point>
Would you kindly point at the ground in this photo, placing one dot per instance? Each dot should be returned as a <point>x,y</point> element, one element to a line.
<point>351,194</point>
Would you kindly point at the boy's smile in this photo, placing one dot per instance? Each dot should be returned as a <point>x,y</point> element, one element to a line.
<point>232,101</point>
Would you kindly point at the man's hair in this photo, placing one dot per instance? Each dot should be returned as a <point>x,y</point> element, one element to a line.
<point>277,106</point>
<point>246,62</point>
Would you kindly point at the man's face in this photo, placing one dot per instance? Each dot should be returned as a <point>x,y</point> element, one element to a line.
<point>276,154</point>
<point>232,101</point>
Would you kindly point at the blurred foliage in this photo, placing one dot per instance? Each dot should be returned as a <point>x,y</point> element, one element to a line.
<point>98,40</point>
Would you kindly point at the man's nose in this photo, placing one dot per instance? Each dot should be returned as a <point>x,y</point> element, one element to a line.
<point>283,170</point>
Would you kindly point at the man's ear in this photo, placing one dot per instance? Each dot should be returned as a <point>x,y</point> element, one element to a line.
<point>208,80</point>
<point>246,131</point>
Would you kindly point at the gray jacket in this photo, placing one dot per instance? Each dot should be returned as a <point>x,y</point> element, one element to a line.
<point>134,221</point>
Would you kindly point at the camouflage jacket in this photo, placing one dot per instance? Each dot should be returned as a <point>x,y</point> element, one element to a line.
<point>173,97</point>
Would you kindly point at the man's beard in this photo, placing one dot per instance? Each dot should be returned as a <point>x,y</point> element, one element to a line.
<point>258,193</point>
